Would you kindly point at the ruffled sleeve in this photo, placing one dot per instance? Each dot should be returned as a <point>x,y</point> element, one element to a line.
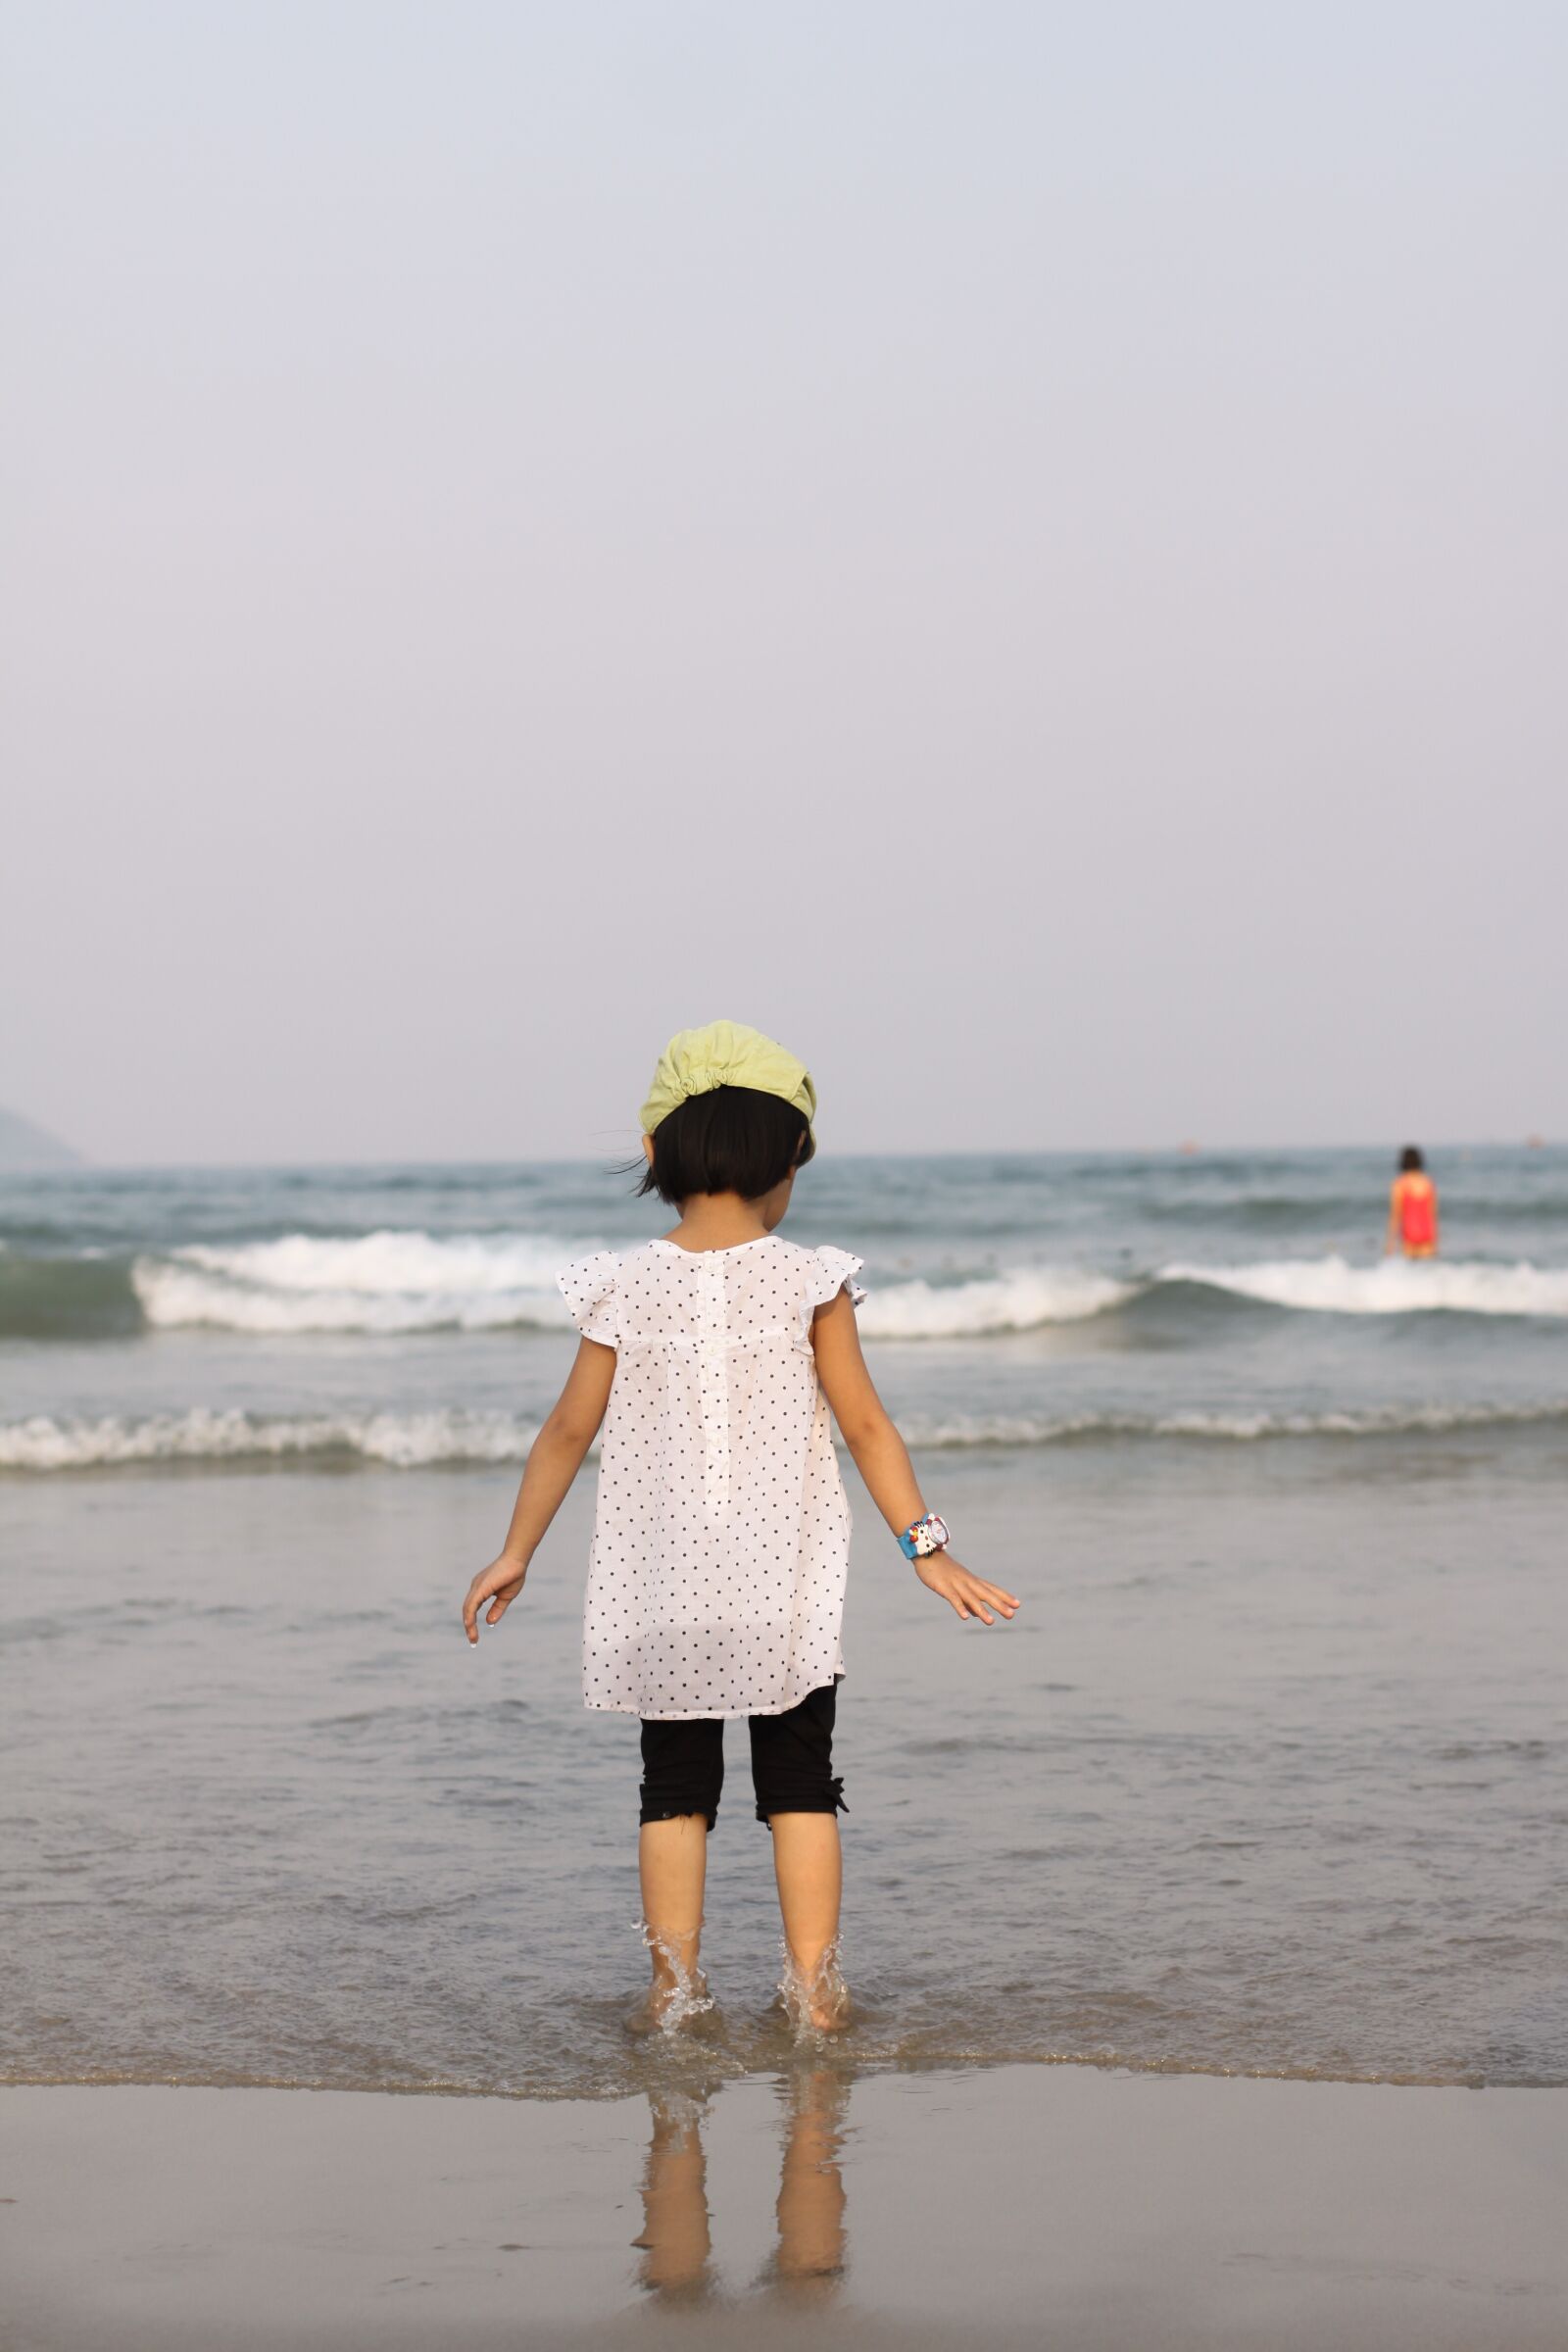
<point>588,1285</point>
<point>834,1271</point>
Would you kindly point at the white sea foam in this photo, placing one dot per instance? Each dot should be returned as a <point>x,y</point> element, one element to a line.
<point>448,1435</point>
<point>402,1440</point>
<point>1373,1421</point>
<point>390,1263</point>
<point>1395,1287</point>
<point>375,1282</point>
<point>1019,1300</point>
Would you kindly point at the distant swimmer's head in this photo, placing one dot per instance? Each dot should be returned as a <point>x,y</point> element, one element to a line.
<point>729,1111</point>
<point>1410,1160</point>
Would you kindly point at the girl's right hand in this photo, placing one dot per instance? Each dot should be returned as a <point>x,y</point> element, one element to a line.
<point>970,1596</point>
<point>499,1584</point>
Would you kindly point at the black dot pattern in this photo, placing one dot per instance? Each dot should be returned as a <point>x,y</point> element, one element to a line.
<point>721,1535</point>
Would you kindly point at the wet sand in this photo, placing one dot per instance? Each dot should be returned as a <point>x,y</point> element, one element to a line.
<point>1055,2206</point>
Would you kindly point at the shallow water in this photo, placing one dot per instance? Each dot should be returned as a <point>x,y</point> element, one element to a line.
<point>1267,1776</point>
<point>1271,1774</point>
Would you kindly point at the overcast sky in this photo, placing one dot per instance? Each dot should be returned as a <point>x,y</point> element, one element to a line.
<point>1021,547</point>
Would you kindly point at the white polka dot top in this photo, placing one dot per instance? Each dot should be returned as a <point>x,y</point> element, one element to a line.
<point>721,1540</point>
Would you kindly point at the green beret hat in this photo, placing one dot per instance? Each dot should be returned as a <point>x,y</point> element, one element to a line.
<point>725,1054</point>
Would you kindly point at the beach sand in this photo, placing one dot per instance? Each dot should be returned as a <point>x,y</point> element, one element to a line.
<point>1058,2206</point>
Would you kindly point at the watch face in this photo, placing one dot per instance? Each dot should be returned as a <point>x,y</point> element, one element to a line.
<point>936,1532</point>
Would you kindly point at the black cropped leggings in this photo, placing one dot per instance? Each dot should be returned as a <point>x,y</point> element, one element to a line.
<point>792,1762</point>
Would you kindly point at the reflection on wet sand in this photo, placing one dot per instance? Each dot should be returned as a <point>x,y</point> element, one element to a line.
<point>808,2260</point>
<point>676,2242</point>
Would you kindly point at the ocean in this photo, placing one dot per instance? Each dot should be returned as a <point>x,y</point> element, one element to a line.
<point>1269,1776</point>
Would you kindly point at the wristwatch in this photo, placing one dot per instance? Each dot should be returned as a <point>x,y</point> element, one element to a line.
<point>924,1537</point>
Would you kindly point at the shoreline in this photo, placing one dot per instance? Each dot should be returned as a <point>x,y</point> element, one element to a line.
<point>1013,2204</point>
<point>841,2057</point>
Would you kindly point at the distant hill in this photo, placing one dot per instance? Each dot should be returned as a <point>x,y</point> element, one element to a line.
<point>23,1146</point>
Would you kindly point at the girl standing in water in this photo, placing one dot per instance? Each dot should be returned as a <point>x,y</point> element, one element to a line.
<point>1412,1208</point>
<point>720,1549</point>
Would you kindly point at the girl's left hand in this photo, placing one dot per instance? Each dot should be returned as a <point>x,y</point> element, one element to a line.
<point>970,1596</point>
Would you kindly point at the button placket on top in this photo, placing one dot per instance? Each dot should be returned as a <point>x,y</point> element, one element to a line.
<point>714,1389</point>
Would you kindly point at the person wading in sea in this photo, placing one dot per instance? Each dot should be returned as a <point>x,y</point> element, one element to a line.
<point>1412,1208</point>
<point>713,1356</point>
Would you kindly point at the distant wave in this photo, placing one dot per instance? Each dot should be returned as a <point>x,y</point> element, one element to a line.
<point>407,1281</point>
<point>1026,1298</point>
<point>84,1298</point>
<point>1019,1301</point>
<point>401,1440</point>
<point>1372,1421</point>
<point>392,1281</point>
<point>1023,1299</point>
<point>1396,1287</point>
<point>452,1437</point>
<point>387,1282</point>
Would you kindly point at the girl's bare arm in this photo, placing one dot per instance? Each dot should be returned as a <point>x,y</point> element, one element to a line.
<point>553,1461</point>
<point>882,1459</point>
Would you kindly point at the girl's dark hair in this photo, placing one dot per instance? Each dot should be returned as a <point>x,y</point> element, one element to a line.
<point>734,1138</point>
<point>1409,1160</point>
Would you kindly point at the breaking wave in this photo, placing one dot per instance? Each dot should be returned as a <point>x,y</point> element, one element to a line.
<point>392,1281</point>
<point>387,1282</point>
<point>84,1298</point>
<point>1372,1421</point>
<point>409,1281</point>
<point>1024,1298</point>
<point>449,1437</point>
<point>400,1440</point>
<point>1332,1286</point>
<point>1019,1301</point>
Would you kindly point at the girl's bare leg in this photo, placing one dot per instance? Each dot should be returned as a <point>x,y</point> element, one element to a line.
<point>808,1867</point>
<point>672,1864</point>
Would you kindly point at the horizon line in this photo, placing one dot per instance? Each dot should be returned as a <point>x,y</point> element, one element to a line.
<point>82,1164</point>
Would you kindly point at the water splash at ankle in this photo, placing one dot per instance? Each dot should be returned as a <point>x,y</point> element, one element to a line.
<point>816,2002</point>
<point>689,1996</point>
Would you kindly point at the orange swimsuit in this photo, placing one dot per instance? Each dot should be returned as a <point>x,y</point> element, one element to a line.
<point>1418,1215</point>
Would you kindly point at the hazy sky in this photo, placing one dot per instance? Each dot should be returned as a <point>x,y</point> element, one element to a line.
<point>1021,547</point>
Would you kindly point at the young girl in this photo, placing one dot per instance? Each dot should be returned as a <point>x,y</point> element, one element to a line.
<point>716,1580</point>
<point>1412,1208</point>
